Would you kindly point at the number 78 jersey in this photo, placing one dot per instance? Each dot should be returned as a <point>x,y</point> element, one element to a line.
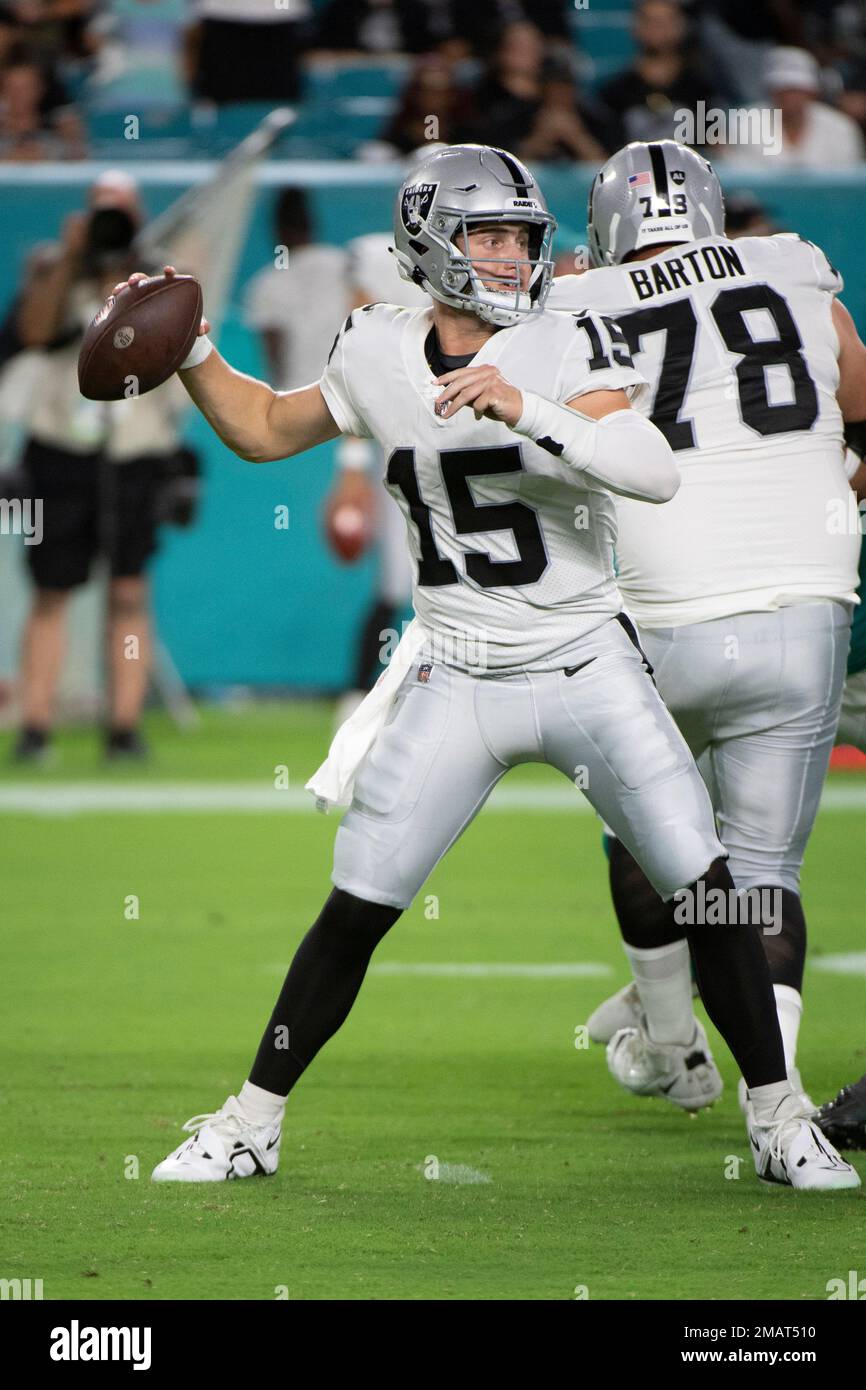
<point>512,548</point>
<point>737,342</point>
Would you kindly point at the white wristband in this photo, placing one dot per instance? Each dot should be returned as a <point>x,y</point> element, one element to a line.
<point>558,429</point>
<point>201,348</point>
<point>356,455</point>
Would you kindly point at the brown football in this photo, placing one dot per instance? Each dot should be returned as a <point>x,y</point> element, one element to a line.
<point>139,337</point>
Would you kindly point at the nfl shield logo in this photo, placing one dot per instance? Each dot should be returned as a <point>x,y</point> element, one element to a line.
<point>415,205</point>
<point>424,672</point>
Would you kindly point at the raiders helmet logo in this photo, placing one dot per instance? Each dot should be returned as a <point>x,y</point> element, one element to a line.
<point>415,205</point>
<point>678,176</point>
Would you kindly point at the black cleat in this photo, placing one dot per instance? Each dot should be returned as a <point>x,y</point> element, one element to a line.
<point>125,745</point>
<point>32,746</point>
<point>843,1120</point>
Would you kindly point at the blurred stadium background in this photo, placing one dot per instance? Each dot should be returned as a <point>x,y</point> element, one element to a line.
<point>237,601</point>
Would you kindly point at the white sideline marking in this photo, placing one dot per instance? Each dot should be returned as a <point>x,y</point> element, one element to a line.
<point>850,963</point>
<point>81,798</point>
<point>488,970</point>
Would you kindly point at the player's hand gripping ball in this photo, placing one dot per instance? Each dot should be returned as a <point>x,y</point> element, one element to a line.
<point>140,336</point>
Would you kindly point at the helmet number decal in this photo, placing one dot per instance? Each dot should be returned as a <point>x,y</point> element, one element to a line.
<point>678,207</point>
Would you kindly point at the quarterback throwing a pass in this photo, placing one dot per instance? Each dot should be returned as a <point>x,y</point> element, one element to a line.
<point>501,424</point>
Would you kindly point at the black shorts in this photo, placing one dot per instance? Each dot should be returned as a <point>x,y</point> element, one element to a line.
<point>90,507</point>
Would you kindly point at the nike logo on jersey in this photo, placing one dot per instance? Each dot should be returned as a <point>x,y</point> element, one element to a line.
<point>573,670</point>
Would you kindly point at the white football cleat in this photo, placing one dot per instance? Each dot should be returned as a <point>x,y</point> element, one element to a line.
<point>621,1010</point>
<point>790,1149</point>
<point>224,1145</point>
<point>809,1106</point>
<point>684,1074</point>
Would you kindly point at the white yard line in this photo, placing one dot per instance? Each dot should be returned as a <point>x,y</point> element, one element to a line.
<point>850,963</point>
<point>481,970</point>
<point>490,970</point>
<point>81,798</point>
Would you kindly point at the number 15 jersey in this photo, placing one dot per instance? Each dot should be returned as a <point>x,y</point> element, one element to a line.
<point>737,342</point>
<point>512,549</point>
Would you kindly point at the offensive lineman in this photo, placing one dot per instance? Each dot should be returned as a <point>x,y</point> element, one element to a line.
<point>488,475</point>
<point>742,587</point>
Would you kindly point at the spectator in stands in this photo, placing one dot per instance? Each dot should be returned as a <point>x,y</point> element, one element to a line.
<point>813,135</point>
<point>138,46</point>
<point>526,102</point>
<point>246,50</point>
<point>97,468</point>
<point>299,301</point>
<point>376,27</point>
<point>665,78</point>
<point>52,29</point>
<point>739,35</point>
<point>431,107</point>
<point>853,99</point>
<point>37,121</point>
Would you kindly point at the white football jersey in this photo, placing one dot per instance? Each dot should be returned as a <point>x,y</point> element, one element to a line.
<point>373,271</point>
<point>512,551</point>
<point>737,342</point>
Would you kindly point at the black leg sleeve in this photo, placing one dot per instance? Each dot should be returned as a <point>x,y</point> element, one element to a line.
<point>644,919</point>
<point>786,949</point>
<point>734,980</point>
<point>320,988</point>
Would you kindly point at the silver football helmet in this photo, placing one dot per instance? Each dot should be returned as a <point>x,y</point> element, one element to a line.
<point>455,188</point>
<point>648,194</point>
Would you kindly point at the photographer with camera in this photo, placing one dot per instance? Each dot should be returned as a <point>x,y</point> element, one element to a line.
<point>100,470</point>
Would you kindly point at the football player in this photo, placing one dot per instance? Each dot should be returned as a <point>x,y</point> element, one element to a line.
<point>505,430</point>
<point>742,587</point>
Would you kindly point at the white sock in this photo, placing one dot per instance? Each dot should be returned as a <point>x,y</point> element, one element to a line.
<point>260,1106</point>
<point>766,1099</point>
<point>789,1007</point>
<point>664,982</point>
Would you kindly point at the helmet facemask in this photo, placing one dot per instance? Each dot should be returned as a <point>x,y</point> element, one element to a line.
<point>465,281</point>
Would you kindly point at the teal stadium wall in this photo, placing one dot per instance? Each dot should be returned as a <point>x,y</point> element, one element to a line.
<point>239,601</point>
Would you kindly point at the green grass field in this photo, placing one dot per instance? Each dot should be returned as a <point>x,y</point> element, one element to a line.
<point>115,1030</point>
